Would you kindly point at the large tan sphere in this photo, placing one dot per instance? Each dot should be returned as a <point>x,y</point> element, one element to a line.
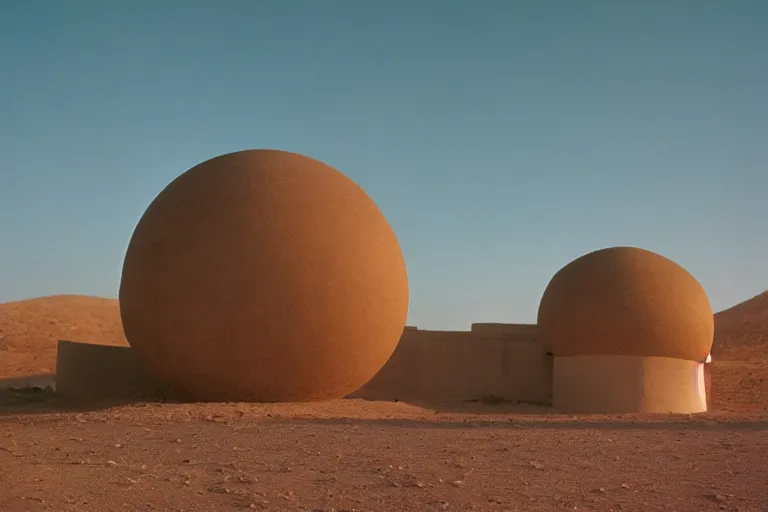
<point>626,301</point>
<point>264,276</point>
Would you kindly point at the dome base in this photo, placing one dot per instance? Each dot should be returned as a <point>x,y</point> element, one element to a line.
<point>628,384</point>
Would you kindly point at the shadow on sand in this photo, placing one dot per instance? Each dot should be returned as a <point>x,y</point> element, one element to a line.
<point>556,422</point>
<point>18,397</point>
<point>35,395</point>
<point>479,406</point>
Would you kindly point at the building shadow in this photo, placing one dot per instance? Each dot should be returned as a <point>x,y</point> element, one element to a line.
<point>480,406</point>
<point>36,394</point>
<point>32,395</point>
<point>517,422</point>
<point>41,380</point>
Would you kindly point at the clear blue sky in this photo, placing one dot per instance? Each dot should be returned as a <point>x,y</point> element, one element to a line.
<point>501,139</point>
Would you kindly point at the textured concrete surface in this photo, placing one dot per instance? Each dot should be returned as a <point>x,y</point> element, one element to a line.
<point>434,366</point>
<point>626,301</point>
<point>264,276</point>
<point>87,370</point>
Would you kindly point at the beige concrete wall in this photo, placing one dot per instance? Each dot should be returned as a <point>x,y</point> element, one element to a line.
<point>627,384</point>
<point>85,370</point>
<point>521,332</point>
<point>439,366</point>
<point>462,365</point>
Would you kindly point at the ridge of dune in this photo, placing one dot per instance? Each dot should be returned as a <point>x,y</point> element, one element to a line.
<point>741,331</point>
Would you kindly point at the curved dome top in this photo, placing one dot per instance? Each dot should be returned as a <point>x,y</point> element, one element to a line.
<point>626,301</point>
<point>264,275</point>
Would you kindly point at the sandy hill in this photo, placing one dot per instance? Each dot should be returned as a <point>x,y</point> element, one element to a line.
<point>743,327</point>
<point>30,330</point>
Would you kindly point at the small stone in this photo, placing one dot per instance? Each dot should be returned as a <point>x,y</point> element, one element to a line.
<point>457,483</point>
<point>111,463</point>
<point>717,498</point>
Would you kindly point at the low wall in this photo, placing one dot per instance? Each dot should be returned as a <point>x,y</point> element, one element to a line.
<point>86,370</point>
<point>521,332</point>
<point>499,360</point>
<point>427,366</point>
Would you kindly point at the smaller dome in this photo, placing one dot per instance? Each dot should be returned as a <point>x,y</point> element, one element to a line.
<point>626,301</point>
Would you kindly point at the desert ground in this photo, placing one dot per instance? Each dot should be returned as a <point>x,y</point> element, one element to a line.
<point>362,455</point>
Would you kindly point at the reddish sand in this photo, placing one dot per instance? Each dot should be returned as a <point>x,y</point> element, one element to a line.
<point>369,456</point>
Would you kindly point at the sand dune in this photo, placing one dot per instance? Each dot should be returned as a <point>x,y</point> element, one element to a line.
<point>743,326</point>
<point>30,329</point>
